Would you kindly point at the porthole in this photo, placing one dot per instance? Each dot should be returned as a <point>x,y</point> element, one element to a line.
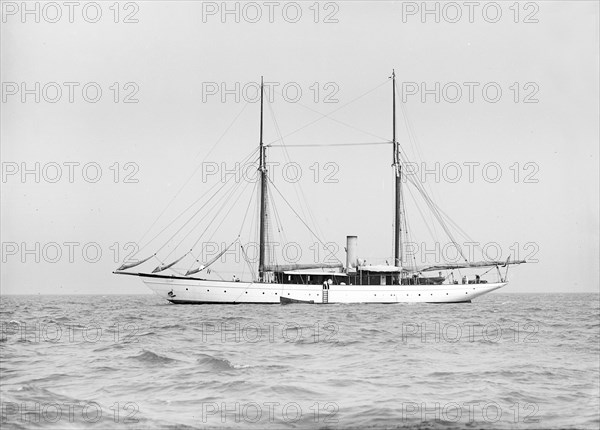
<point>419,295</point>
<point>186,289</point>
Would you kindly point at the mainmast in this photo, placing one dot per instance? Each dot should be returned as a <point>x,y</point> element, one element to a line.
<point>398,184</point>
<point>263,193</point>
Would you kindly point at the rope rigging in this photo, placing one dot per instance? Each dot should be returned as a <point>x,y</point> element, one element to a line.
<point>189,178</point>
<point>301,220</point>
<point>323,116</point>
<point>248,157</point>
<point>230,193</point>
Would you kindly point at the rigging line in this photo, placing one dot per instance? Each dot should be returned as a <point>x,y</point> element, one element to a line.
<point>298,190</point>
<point>190,206</point>
<point>414,143</point>
<point>232,192</point>
<point>335,110</point>
<point>251,235</point>
<point>214,259</point>
<point>457,227</point>
<point>177,217</point>
<point>248,207</point>
<point>460,231</point>
<point>433,237</point>
<point>336,120</point>
<point>437,215</point>
<point>271,236</point>
<point>219,211</point>
<point>247,260</point>
<point>423,217</point>
<point>244,222</point>
<point>192,217</point>
<point>310,211</point>
<point>316,145</point>
<point>449,219</point>
<point>407,228</point>
<point>471,241</point>
<point>411,263</point>
<point>253,224</point>
<point>405,161</point>
<point>412,137</point>
<point>225,217</point>
<point>278,222</point>
<point>300,218</point>
<point>186,223</point>
<point>295,186</point>
<point>271,225</point>
<point>225,132</point>
<point>490,269</point>
<point>191,176</point>
<point>429,203</point>
<point>250,202</point>
<point>439,219</point>
<point>423,191</point>
<point>185,236</point>
<point>243,275</point>
<point>217,273</point>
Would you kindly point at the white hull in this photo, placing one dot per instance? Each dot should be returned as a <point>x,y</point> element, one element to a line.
<point>196,291</point>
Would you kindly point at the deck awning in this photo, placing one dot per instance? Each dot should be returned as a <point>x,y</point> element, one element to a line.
<point>381,269</point>
<point>313,273</point>
<point>301,266</point>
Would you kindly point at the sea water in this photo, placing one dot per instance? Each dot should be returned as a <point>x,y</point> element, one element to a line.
<point>522,361</point>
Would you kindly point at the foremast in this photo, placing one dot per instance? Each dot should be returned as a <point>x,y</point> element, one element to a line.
<point>263,194</point>
<point>397,183</point>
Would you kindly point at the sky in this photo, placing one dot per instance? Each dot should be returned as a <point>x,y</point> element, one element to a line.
<point>108,111</point>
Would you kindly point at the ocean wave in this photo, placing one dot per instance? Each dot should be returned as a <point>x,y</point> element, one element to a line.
<point>209,362</point>
<point>152,358</point>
